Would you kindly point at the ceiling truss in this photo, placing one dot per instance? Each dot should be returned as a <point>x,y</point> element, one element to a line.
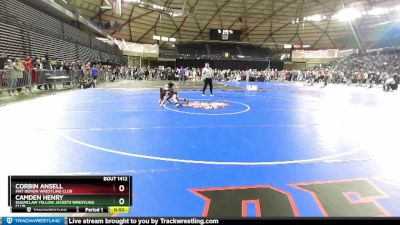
<point>261,21</point>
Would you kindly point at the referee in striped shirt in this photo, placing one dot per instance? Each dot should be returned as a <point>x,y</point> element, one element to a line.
<point>207,76</point>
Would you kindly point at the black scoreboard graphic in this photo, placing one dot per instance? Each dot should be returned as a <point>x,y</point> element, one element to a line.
<point>62,194</point>
<point>224,35</point>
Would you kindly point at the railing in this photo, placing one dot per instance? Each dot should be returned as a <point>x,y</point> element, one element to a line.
<point>41,80</point>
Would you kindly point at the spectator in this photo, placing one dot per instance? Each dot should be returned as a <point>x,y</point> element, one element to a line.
<point>95,74</point>
<point>146,73</point>
<point>29,69</point>
<point>10,77</point>
<point>47,57</point>
<point>35,75</point>
<point>87,69</point>
<point>19,69</point>
<point>46,65</point>
<point>182,73</point>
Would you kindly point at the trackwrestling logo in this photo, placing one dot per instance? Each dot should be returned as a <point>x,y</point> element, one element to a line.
<point>33,220</point>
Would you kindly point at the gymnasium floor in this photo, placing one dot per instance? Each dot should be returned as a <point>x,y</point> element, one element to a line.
<point>286,150</point>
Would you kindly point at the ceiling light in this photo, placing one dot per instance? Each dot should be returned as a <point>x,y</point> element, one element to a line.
<point>176,13</point>
<point>377,11</point>
<point>156,37</point>
<point>348,14</point>
<point>314,18</point>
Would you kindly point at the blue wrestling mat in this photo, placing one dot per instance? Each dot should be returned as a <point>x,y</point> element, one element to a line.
<point>285,150</point>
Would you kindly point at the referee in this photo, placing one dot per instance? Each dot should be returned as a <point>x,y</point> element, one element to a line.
<point>207,76</point>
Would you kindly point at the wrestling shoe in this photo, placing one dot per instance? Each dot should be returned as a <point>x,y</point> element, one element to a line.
<point>203,94</point>
<point>211,95</point>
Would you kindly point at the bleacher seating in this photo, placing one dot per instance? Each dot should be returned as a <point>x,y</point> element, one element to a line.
<point>198,49</point>
<point>217,51</point>
<point>169,55</point>
<point>40,44</point>
<point>220,49</point>
<point>10,40</point>
<point>254,51</point>
<point>27,31</point>
<point>75,35</point>
<point>22,15</point>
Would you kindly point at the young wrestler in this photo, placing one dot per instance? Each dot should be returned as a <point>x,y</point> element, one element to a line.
<point>169,92</point>
<point>164,95</point>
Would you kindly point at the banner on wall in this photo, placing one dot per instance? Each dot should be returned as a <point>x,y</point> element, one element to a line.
<point>134,49</point>
<point>322,54</point>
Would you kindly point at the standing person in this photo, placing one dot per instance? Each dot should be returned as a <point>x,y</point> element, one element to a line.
<point>313,77</point>
<point>182,75</point>
<point>95,74</point>
<point>123,72</point>
<point>131,73</point>
<point>9,76</point>
<point>45,66</point>
<point>35,74</point>
<point>151,73</point>
<point>187,74</point>
<point>207,76</point>
<point>19,69</point>
<point>198,73</point>
<point>194,74</point>
<point>328,77</point>
<point>88,69</point>
<point>47,57</point>
<point>30,69</point>
<point>147,73</point>
<point>67,67</point>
